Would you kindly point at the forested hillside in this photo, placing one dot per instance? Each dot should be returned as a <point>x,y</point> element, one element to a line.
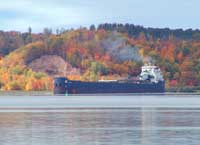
<point>111,51</point>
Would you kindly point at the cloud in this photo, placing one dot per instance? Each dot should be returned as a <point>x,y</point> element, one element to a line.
<point>40,14</point>
<point>20,14</point>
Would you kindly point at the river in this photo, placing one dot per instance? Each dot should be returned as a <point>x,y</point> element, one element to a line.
<point>148,119</point>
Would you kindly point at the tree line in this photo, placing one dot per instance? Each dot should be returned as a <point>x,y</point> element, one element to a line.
<point>161,33</point>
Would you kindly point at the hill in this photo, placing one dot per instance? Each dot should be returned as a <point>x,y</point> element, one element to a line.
<point>30,61</point>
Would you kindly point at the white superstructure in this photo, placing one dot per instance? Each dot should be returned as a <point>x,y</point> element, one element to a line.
<point>151,73</point>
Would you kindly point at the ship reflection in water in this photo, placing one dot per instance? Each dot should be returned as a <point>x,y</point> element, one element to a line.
<point>92,126</point>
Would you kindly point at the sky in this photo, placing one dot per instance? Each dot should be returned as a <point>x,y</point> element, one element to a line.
<point>38,14</point>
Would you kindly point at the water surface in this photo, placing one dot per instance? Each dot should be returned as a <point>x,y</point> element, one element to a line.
<point>104,120</point>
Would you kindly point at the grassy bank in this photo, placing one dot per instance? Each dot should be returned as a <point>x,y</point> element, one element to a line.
<point>26,93</point>
<point>183,89</point>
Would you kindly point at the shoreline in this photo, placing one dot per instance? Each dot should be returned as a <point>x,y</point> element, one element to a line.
<point>50,93</point>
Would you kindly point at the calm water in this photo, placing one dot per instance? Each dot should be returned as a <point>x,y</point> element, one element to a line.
<point>83,124</point>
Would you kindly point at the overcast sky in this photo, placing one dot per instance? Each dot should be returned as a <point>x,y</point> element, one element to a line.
<point>20,14</point>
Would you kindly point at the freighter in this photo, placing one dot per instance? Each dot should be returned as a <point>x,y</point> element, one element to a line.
<point>150,80</point>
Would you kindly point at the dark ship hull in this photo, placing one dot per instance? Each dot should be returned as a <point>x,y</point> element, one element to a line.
<point>64,86</point>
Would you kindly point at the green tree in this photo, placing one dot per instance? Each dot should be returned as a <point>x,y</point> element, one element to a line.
<point>185,51</point>
<point>92,28</point>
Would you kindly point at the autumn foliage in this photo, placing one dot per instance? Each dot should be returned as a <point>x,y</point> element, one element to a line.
<point>109,52</point>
